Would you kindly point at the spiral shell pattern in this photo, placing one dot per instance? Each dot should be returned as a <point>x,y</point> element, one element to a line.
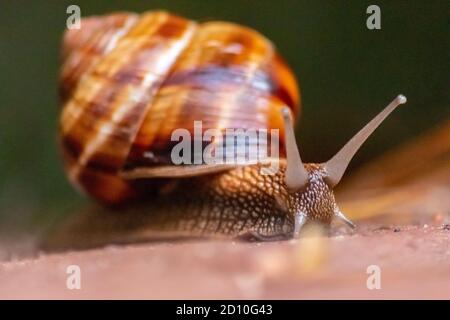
<point>128,81</point>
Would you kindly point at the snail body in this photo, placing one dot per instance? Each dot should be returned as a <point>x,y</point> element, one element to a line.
<point>128,81</point>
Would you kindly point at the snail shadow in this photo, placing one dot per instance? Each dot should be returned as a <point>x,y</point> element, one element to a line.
<point>95,226</point>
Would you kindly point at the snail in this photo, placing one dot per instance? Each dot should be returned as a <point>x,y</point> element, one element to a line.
<point>128,81</point>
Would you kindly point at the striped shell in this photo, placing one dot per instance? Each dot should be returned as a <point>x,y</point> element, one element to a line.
<point>127,81</point>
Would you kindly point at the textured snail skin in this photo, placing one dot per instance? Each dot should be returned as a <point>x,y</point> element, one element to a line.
<point>240,203</point>
<point>243,202</point>
<point>128,81</point>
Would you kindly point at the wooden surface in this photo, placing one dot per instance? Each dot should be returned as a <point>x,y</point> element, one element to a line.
<point>403,217</point>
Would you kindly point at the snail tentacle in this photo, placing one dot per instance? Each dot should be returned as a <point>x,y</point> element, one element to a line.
<point>296,175</point>
<point>337,165</point>
<point>338,214</point>
<point>300,220</point>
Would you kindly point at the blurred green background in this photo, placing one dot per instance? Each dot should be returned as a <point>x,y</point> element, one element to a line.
<point>347,74</point>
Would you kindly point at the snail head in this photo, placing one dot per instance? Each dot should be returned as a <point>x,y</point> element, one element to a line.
<point>311,185</point>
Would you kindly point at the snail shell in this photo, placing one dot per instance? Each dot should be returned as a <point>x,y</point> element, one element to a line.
<point>128,81</point>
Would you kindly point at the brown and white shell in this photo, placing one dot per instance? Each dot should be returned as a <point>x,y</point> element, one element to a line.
<point>128,81</point>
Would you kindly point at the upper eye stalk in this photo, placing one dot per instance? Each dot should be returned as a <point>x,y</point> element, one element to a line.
<point>296,175</point>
